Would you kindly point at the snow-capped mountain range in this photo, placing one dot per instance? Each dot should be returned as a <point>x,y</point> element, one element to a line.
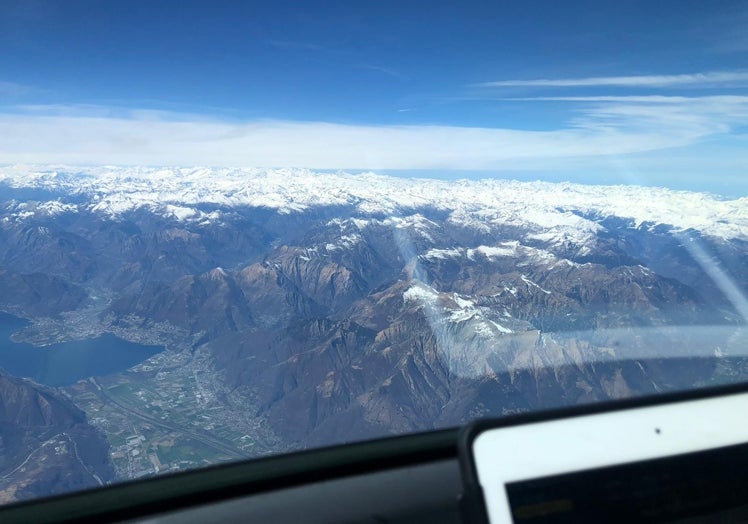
<point>554,207</point>
<point>345,306</point>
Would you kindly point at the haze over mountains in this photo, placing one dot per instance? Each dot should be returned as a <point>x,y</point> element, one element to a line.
<point>325,308</point>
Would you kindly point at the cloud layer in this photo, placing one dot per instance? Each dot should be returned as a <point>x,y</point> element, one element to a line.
<point>628,136</point>
<point>707,80</point>
<point>602,127</point>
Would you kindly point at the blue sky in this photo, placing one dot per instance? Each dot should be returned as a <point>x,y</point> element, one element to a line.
<point>596,91</point>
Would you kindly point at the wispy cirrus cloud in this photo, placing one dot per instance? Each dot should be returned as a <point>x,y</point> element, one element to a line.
<point>310,48</point>
<point>708,79</point>
<point>629,139</point>
<point>694,118</point>
<point>380,69</point>
<point>711,127</point>
<point>89,134</point>
<point>633,99</point>
<point>698,116</point>
<point>338,53</point>
<point>12,89</point>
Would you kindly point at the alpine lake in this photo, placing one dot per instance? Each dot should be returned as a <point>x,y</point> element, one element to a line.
<point>66,363</point>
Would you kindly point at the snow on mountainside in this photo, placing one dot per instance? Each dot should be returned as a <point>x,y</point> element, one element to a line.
<point>553,207</point>
<point>301,309</point>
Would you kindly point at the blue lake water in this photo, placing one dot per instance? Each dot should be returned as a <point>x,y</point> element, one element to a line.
<point>66,363</point>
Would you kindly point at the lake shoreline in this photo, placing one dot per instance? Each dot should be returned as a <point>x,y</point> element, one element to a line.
<point>64,363</point>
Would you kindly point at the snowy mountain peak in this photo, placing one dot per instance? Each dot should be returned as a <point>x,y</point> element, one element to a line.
<point>560,211</point>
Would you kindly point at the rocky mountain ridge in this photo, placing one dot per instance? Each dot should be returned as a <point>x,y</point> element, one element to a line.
<point>46,445</point>
<point>346,306</point>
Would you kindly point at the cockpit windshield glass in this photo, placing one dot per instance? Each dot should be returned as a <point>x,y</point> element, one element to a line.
<point>236,229</point>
